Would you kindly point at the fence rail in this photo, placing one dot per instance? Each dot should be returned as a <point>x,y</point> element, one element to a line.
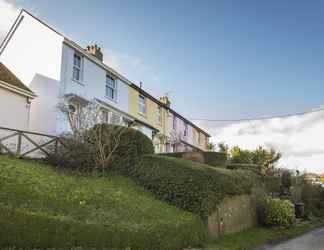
<point>20,143</point>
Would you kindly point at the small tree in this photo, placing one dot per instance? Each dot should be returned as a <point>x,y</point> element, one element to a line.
<point>210,146</point>
<point>223,148</point>
<point>262,157</point>
<point>81,120</point>
<point>87,128</point>
<point>105,141</point>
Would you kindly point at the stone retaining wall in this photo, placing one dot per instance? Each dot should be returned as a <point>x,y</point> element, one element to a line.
<point>234,214</point>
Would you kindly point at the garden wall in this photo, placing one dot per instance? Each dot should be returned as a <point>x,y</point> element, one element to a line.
<point>232,215</point>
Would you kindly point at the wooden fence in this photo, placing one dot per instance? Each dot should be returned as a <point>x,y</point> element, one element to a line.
<point>22,144</point>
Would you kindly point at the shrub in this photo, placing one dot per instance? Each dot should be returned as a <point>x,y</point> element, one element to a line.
<point>286,179</point>
<point>272,184</point>
<point>216,159</point>
<point>132,145</point>
<point>83,154</point>
<point>277,212</point>
<point>313,197</point>
<point>194,187</point>
<point>72,154</point>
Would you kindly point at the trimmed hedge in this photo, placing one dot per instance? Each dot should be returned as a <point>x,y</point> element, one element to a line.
<point>133,145</point>
<point>24,229</point>
<point>216,159</point>
<point>194,187</point>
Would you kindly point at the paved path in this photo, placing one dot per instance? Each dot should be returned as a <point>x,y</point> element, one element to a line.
<point>313,240</point>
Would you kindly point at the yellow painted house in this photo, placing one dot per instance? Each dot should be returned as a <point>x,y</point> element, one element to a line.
<point>150,115</point>
<point>169,131</point>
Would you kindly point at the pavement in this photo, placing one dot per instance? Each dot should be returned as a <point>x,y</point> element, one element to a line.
<point>313,240</point>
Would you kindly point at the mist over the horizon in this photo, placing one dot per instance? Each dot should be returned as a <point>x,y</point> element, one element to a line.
<point>300,139</point>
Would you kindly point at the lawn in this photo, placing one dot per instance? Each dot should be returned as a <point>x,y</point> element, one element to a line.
<point>254,237</point>
<point>43,208</point>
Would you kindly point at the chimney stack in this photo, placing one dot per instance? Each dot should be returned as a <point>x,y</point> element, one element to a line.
<point>95,51</point>
<point>165,100</point>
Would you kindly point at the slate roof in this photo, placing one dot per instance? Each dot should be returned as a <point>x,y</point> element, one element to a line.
<point>8,77</point>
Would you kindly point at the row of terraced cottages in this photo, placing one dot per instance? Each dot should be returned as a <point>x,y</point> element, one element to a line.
<point>40,67</point>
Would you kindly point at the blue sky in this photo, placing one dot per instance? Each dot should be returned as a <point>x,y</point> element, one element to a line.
<point>219,59</point>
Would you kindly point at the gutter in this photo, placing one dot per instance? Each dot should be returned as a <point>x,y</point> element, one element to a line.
<point>17,90</point>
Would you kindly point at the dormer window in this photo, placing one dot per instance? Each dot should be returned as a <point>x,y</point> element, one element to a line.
<point>111,87</point>
<point>77,68</point>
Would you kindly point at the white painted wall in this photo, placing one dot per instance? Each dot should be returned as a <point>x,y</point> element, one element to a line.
<point>33,49</point>
<point>34,55</point>
<point>93,84</point>
<point>44,114</point>
<point>180,130</point>
<point>14,110</point>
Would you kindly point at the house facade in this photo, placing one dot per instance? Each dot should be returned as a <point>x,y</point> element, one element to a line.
<point>15,101</point>
<point>55,68</point>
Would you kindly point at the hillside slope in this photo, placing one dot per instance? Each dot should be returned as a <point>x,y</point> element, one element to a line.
<point>42,208</point>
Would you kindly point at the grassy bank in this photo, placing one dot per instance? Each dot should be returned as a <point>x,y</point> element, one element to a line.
<point>41,208</point>
<point>254,237</point>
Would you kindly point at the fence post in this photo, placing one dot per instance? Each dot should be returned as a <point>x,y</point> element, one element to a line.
<point>18,152</point>
<point>56,144</point>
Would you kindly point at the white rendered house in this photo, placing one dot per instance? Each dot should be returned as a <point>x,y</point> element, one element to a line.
<point>55,67</point>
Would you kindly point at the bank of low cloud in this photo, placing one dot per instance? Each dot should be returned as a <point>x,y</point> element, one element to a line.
<point>299,138</point>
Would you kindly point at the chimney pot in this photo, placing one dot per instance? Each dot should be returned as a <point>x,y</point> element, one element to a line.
<point>165,100</point>
<point>95,50</point>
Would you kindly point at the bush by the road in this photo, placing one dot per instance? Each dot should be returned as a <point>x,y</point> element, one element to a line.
<point>277,212</point>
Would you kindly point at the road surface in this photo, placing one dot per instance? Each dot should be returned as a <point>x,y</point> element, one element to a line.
<point>313,240</point>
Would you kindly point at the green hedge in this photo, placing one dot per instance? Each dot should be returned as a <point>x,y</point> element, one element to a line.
<point>24,229</point>
<point>80,154</point>
<point>215,159</point>
<point>194,187</point>
<point>132,145</point>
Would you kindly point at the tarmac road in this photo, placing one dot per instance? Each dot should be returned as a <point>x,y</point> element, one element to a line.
<point>313,240</point>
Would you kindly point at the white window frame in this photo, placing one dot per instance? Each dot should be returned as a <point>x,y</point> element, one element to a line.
<point>185,132</point>
<point>77,67</point>
<point>112,86</point>
<point>142,105</point>
<point>159,114</point>
<point>74,113</point>
<point>174,122</point>
<point>105,116</point>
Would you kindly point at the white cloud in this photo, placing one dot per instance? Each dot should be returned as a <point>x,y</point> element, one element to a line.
<point>8,13</point>
<point>299,138</point>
